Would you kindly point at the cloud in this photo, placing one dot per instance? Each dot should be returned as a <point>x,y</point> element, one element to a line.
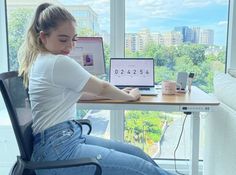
<point>196,4</point>
<point>146,2</point>
<point>153,8</point>
<point>222,1</point>
<point>99,6</point>
<point>202,3</point>
<point>222,23</point>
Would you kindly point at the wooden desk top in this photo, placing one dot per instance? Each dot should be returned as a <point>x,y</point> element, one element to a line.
<point>196,97</point>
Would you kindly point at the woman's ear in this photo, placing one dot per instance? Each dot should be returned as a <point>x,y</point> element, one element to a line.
<point>42,37</point>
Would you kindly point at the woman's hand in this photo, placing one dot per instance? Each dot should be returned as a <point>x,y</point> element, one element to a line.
<point>127,89</point>
<point>134,92</point>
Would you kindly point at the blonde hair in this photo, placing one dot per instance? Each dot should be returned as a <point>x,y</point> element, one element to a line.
<point>47,17</point>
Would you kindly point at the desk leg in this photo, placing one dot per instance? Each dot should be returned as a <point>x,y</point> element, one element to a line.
<point>195,132</point>
<point>117,125</point>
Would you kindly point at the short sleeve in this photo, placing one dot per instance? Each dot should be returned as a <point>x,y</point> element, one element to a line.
<point>69,74</point>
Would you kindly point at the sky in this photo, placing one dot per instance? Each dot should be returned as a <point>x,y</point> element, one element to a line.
<point>163,15</point>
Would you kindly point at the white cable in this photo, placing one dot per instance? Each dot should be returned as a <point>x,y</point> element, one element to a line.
<point>181,133</point>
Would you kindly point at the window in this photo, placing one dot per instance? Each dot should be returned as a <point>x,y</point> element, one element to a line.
<point>92,19</point>
<point>7,140</point>
<point>187,38</point>
<point>177,38</point>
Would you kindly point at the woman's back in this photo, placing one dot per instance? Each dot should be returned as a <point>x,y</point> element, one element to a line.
<point>52,96</point>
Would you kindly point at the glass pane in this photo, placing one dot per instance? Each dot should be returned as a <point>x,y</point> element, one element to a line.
<point>180,36</point>
<point>92,20</point>
<point>8,144</point>
<point>187,38</point>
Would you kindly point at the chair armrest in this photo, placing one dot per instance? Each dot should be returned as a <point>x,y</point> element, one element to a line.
<point>85,122</point>
<point>63,164</point>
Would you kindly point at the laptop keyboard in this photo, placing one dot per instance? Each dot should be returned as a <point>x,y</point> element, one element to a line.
<point>144,88</point>
<point>147,91</point>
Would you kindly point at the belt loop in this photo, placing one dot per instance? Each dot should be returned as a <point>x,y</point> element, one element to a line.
<point>42,137</point>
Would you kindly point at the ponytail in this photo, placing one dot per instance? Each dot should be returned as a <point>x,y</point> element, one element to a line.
<point>47,17</point>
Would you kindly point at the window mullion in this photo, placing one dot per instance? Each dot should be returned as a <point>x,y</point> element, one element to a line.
<point>117,50</point>
<point>3,36</point>
<point>231,51</point>
<point>117,28</point>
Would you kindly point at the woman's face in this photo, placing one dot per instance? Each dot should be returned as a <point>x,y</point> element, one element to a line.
<point>60,40</point>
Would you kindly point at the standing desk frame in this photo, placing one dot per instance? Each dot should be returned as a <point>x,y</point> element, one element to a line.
<point>195,102</point>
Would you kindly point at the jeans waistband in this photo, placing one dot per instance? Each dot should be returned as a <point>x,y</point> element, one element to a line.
<point>53,129</point>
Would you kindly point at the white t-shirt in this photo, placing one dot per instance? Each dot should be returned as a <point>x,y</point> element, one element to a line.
<point>55,84</point>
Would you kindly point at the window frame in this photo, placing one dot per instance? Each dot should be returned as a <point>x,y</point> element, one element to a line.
<point>231,43</point>
<point>3,35</point>
<point>117,42</point>
<point>117,18</point>
<point>118,45</point>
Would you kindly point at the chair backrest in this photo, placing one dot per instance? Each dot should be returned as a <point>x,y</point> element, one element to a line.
<point>17,103</point>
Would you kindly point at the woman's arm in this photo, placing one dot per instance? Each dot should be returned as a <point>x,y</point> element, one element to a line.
<point>88,96</point>
<point>103,90</point>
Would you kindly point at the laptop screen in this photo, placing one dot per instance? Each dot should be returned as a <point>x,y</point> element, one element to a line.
<point>89,53</point>
<point>132,72</point>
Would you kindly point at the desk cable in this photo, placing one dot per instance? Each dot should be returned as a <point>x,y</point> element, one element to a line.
<point>181,133</point>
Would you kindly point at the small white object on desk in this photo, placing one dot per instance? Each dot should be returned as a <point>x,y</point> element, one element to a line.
<point>190,80</point>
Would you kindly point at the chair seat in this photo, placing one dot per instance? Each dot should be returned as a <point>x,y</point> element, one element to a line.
<point>18,106</point>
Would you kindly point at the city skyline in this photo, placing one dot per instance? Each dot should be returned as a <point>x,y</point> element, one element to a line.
<point>157,16</point>
<point>187,14</point>
<point>184,34</point>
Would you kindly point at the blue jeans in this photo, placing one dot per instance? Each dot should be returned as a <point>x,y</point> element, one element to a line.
<point>65,141</point>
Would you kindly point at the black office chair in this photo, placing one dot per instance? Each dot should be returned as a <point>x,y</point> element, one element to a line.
<point>16,99</point>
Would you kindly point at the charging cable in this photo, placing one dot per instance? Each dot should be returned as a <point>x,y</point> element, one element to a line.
<point>177,146</point>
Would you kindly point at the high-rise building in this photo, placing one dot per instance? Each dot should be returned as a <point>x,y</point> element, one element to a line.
<point>157,38</point>
<point>86,18</point>
<point>131,41</point>
<point>206,37</point>
<point>172,38</point>
<point>138,41</point>
<point>186,32</point>
<point>196,34</point>
<point>143,38</point>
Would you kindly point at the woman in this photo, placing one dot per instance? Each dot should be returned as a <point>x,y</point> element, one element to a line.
<point>55,83</point>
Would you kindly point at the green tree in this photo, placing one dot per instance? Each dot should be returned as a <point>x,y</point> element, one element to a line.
<point>163,73</point>
<point>221,57</point>
<point>18,22</point>
<point>143,125</point>
<point>197,53</point>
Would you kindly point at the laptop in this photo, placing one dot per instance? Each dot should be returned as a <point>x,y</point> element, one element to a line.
<point>89,53</point>
<point>133,72</point>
